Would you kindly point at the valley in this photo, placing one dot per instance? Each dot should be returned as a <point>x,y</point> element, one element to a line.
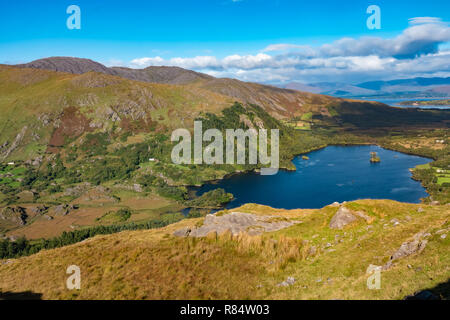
<point>86,174</point>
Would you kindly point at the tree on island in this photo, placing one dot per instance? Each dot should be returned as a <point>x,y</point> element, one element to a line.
<point>374,158</point>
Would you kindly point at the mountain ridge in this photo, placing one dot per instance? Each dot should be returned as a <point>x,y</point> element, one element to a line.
<point>432,87</point>
<point>155,74</point>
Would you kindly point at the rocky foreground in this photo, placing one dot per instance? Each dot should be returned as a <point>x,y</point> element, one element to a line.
<point>256,252</point>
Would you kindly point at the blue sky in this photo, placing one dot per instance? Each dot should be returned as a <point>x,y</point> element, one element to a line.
<point>233,38</point>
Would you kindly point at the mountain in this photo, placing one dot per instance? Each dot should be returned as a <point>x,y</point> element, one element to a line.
<point>414,82</point>
<point>279,102</point>
<point>43,108</point>
<point>303,87</point>
<point>86,171</point>
<point>440,90</point>
<point>69,65</point>
<point>331,88</point>
<point>426,87</point>
<point>171,75</point>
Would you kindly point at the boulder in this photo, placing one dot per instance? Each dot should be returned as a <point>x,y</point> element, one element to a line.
<point>237,222</point>
<point>64,209</point>
<point>182,232</point>
<point>342,218</point>
<point>14,214</point>
<point>416,245</point>
<point>37,210</point>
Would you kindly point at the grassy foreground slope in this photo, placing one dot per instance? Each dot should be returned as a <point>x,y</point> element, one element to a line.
<point>325,263</point>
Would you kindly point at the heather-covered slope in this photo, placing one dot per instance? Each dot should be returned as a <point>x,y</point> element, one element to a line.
<point>37,104</point>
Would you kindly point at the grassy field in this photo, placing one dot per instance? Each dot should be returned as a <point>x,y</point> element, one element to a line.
<point>326,263</point>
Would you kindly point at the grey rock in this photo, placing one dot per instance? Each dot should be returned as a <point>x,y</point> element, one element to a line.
<point>237,222</point>
<point>416,245</point>
<point>64,209</point>
<point>182,232</point>
<point>363,216</point>
<point>14,214</point>
<point>342,218</point>
<point>137,187</point>
<point>289,282</point>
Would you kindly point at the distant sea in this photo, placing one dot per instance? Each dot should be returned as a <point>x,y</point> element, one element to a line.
<point>395,102</point>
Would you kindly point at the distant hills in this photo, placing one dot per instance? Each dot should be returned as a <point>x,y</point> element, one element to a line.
<point>415,87</point>
<point>47,102</point>
<point>171,75</point>
<point>277,101</point>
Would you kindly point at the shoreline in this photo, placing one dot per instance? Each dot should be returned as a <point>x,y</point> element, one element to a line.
<point>194,189</point>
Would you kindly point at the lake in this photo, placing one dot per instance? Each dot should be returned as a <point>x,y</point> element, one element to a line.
<point>335,173</point>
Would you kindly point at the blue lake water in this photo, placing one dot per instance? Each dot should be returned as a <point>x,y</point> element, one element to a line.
<point>335,173</point>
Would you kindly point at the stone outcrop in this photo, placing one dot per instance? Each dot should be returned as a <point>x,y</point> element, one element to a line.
<point>63,209</point>
<point>342,218</point>
<point>416,245</point>
<point>236,222</point>
<point>77,190</point>
<point>98,193</point>
<point>14,214</point>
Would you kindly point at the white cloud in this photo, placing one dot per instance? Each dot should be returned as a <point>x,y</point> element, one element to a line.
<point>425,20</point>
<point>415,52</point>
<point>286,46</point>
<point>145,62</point>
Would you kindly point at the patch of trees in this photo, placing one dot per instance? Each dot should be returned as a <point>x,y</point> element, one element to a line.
<point>212,199</point>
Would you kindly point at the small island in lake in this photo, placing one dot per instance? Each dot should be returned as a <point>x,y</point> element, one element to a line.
<point>374,158</point>
<point>305,157</point>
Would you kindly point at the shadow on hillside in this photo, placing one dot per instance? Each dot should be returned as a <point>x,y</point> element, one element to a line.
<point>26,295</point>
<point>441,291</point>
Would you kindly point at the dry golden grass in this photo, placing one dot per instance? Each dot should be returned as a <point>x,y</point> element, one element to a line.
<point>155,265</point>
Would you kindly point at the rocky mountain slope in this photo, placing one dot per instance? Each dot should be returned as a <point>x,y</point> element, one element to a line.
<point>170,75</point>
<point>280,102</point>
<point>40,107</point>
